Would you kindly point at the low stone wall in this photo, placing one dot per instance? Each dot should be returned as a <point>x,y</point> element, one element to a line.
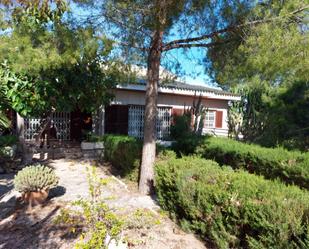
<point>93,149</point>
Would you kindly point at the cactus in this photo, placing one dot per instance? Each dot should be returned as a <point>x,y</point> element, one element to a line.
<point>35,178</point>
<point>197,114</point>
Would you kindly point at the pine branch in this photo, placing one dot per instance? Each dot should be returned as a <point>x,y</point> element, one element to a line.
<point>172,44</point>
<point>194,45</point>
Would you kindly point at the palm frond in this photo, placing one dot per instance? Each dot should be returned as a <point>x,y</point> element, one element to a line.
<point>4,121</point>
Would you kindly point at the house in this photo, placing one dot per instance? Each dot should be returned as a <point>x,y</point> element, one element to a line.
<point>125,114</point>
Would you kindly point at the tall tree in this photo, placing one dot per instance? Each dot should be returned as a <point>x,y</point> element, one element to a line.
<point>48,63</point>
<point>150,29</point>
<point>269,60</point>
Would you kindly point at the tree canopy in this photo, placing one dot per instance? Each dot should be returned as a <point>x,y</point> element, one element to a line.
<point>49,62</point>
<point>147,31</point>
<point>235,36</point>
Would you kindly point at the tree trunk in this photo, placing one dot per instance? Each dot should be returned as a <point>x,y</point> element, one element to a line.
<point>149,147</point>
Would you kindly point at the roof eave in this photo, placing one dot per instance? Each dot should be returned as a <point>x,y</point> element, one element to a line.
<point>185,92</point>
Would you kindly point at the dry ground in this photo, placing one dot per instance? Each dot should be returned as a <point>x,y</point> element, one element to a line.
<point>21,227</point>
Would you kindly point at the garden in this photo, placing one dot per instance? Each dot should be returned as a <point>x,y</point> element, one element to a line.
<point>246,190</point>
<point>230,194</point>
<point>85,203</point>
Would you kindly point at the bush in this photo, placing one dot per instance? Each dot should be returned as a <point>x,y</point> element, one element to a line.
<point>187,145</point>
<point>186,139</point>
<point>181,126</point>
<point>124,153</point>
<point>7,140</point>
<point>233,209</point>
<point>164,154</point>
<point>98,225</point>
<point>35,178</point>
<point>290,166</point>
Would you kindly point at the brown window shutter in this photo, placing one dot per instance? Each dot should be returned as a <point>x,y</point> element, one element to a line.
<point>177,112</point>
<point>219,116</point>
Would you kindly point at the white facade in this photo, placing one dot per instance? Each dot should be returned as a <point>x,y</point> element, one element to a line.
<point>177,100</point>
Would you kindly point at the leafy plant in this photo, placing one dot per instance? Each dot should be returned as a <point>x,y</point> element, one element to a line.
<point>35,178</point>
<point>4,121</point>
<point>93,218</point>
<point>289,166</point>
<point>180,126</point>
<point>233,209</point>
<point>8,140</point>
<point>142,218</point>
<point>124,153</point>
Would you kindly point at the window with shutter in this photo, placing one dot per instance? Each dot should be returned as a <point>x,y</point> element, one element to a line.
<point>219,116</point>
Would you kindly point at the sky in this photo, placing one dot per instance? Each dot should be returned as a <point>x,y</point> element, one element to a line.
<point>192,71</point>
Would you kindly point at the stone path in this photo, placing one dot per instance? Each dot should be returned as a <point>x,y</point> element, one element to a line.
<point>73,185</point>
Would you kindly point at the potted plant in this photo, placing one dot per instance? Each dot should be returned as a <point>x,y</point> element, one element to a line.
<point>34,183</point>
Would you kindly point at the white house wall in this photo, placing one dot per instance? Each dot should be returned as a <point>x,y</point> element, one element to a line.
<point>125,97</point>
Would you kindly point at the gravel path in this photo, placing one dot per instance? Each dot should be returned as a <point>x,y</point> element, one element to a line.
<point>15,228</point>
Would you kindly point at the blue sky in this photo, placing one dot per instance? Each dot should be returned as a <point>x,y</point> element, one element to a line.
<point>192,71</point>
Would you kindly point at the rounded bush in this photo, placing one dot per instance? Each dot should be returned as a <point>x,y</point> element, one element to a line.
<point>290,167</point>
<point>233,209</point>
<point>35,178</point>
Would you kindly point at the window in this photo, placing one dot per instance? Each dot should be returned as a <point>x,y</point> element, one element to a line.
<point>136,122</point>
<point>61,120</point>
<point>209,120</point>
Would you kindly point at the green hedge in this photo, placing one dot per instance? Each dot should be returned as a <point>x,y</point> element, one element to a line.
<point>290,166</point>
<point>232,209</point>
<point>124,153</point>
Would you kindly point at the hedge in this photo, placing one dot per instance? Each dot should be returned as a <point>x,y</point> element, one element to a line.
<point>289,166</point>
<point>124,153</point>
<point>233,209</point>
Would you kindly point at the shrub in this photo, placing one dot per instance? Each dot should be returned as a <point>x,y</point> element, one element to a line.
<point>233,209</point>
<point>181,126</point>
<point>98,224</point>
<point>124,153</point>
<point>290,166</point>
<point>7,140</point>
<point>186,145</point>
<point>164,154</point>
<point>35,178</point>
<point>186,139</point>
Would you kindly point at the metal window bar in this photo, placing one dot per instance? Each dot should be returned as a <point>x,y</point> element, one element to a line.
<point>136,122</point>
<point>61,122</point>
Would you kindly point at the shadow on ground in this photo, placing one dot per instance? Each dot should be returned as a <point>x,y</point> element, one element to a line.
<point>34,228</point>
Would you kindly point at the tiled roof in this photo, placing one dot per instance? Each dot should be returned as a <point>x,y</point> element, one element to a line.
<point>184,86</point>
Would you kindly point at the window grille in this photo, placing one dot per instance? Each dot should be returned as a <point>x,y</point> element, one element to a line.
<point>61,122</point>
<point>136,122</point>
<point>209,119</point>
